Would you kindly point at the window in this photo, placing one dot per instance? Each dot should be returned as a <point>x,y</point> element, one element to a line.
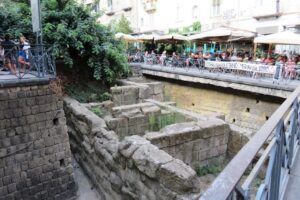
<point>216,8</point>
<point>195,12</point>
<point>96,7</point>
<point>109,3</point>
<point>179,13</point>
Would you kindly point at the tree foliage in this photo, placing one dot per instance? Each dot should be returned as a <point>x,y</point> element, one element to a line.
<point>196,26</point>
<point>122,26</point>
<point>74,33</point>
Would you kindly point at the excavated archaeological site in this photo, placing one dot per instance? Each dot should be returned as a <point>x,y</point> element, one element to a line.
<point>137,146</point>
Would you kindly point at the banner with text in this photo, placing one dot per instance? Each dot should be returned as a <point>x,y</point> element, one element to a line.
<point>252,67</point>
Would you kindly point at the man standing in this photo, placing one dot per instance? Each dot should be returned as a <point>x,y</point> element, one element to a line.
<point>9,58</point>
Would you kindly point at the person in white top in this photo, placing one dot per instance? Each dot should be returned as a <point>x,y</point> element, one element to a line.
<point>24,54</point>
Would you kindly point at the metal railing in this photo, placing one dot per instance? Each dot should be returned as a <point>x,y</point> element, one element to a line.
<point>277,143</point>
<point>37,60</point>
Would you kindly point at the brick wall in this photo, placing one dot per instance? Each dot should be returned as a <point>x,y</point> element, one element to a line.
<point>35,156</point>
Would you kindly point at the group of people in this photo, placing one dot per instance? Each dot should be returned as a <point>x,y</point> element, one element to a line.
<point>13,53</point>
<point>289,62</point>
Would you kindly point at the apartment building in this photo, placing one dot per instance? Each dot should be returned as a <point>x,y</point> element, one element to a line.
<point>147,16</point>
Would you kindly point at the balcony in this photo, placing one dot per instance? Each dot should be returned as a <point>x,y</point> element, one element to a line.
<point>150,5</point>
<point>127,5</point>
<point>110,11</point>
<point>38,65</point>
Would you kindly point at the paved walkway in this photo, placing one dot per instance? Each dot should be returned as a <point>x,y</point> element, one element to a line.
<point>293,187</point>
<point>86,190</point>
<point>268,82</point>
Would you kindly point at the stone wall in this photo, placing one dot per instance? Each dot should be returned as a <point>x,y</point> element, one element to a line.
<point>238,137</point>
<point>249,111</point>
<point>138,118</point>
<point>195,143</point>
<point>136,92</point>
<point>131,168</point>
<point>35,156</point>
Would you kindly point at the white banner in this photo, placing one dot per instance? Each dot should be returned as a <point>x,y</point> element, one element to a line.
<point>258,68</point>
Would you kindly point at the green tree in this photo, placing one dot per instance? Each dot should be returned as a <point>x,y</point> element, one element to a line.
<point>196,26</point>
<point>123,26</point>
<point>74,34</point>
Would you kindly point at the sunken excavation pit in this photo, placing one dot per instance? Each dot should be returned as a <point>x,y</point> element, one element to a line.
<point>139,147</point>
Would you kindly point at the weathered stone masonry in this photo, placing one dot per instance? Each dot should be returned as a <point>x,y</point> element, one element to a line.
<point>35,156</point>
<point>131,168</point>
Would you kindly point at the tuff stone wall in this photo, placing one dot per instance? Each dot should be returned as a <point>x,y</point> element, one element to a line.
<point>131,168</point>
<point>136,119</point>
<point>249,111</point>
<point>195,143</point>
<point>238,137</point>
<point>136,92</point>
<point>35,156</point>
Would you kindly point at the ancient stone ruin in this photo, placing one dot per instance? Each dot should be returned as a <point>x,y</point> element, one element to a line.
<point>139,147</point>
<point>35,156</point>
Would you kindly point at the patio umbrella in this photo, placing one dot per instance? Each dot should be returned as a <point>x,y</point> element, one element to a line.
<point>222,34</point>
<point>171,38</point>
<point>126,37</point>
<point>286,37</point>
<point>147,38</point>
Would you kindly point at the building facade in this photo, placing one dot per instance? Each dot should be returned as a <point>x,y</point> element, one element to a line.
<point>147,16</point>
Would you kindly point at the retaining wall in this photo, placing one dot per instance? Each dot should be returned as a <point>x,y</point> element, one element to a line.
<point>35,156</point>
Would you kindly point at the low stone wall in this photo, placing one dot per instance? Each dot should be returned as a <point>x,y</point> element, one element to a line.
<point>238,137</point>
<point>136,92</point>
<point>195,143</point>
<point>132,168</point>
<point>138,118</point>
<point>35,156</point>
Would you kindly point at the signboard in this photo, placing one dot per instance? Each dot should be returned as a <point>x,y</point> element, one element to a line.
<point>35,14</point>
<point>258,68</point>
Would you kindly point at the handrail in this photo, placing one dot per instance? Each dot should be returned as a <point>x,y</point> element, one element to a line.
<point>39,61</point>
<point>225,184</point>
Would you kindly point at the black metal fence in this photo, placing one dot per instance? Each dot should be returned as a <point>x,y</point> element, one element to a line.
<point>37,61</point>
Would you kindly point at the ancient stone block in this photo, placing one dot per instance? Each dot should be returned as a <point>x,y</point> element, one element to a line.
<point>148,158</point>
<point>178,177</point>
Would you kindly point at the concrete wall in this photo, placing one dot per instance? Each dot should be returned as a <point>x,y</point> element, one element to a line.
<point>35,156</point>
<point>131,168</point>
<point>246,85</point>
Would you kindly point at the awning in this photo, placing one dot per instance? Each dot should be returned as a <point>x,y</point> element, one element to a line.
<point>127,37</point>
<point>223,34</point>
<point>171,38</point>
<point>147,37</point>
<point>286,37</point>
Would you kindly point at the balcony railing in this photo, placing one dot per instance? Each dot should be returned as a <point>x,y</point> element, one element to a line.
<point>275,146</point>
<point>37,61</point>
